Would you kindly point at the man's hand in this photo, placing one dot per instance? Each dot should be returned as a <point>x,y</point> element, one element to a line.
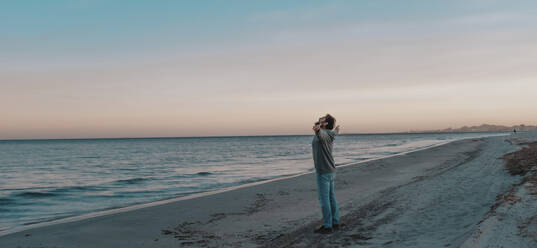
<point>316,128</point>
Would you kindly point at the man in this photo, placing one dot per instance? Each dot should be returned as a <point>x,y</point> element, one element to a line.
<point>325,169</point>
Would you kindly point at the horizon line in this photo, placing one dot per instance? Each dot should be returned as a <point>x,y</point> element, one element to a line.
<point>234,136</point>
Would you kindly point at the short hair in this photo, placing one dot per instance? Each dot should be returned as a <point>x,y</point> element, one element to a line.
<point>331,121</point>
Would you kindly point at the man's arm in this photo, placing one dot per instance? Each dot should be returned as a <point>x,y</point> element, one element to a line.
<point>333,132</point>
<point>323,135</point>
<point>316,128</point>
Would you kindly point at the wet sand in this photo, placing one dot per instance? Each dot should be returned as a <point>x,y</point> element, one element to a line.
<point>450,195</point>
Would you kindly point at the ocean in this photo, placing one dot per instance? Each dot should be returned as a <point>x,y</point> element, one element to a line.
<point>44,180</point>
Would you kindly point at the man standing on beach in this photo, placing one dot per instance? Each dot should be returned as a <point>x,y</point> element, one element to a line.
<point>325,168</point>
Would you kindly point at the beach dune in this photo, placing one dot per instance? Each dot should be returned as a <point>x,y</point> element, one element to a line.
<point>437,197</point>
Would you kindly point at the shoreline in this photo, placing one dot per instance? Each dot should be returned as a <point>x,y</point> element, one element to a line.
<point>123,209</point>
<point>269,213</point>
<point>117,210</point>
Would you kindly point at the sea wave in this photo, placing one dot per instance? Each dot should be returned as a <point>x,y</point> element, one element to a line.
<point>35,194</point>
<point>134,180</point>
<point>204,173</point>
<point>6,201</point>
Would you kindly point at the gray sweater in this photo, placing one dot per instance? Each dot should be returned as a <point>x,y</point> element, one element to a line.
<point>321,145</point>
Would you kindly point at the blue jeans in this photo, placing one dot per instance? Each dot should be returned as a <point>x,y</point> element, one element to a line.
<point>327,198</point>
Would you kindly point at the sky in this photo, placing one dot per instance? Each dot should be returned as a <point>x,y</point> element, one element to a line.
<point>105,68</point>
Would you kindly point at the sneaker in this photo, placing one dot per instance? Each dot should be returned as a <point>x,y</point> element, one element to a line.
<point>323,230</point>
<point>337,226</point>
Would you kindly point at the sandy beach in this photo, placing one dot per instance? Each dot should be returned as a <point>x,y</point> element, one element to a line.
<point>460,194</point>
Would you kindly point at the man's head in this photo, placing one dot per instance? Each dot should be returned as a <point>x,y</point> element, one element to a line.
<point>329,122</point>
